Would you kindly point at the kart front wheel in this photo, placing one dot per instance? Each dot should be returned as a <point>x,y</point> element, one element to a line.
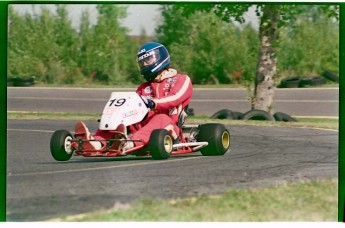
<point>60,145</point>
<point>160,144</point>
<point>217,136</point>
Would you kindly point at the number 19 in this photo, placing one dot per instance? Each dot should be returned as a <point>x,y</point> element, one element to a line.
<point>118,102</point>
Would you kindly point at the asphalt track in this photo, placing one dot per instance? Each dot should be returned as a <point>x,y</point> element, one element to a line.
<point>40,188</point>
<point>295,102</point>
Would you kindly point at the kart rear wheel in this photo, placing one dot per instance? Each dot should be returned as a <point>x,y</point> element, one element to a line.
<point>217,136</point>
<point>60,145</point>
<point>160,144</point>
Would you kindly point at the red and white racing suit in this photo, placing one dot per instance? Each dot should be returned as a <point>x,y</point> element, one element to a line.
<point>171,92</point>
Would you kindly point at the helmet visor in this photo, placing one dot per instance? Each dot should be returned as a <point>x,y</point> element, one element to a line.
<point>149,58</point>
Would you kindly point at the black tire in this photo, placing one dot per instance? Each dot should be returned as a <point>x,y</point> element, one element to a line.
<point>280,116</point>
<point>223,114</point>
<point>257,115</point>
<point>291,82</point>
<point>10,81</point>
<point>23,81</point>
<point>217,136</point>
<point>316,81</point>
<point>305,82</point>
<point>237,115</point>
<point>160,144</point>
<point>330,76</point>
<point>60,146</point>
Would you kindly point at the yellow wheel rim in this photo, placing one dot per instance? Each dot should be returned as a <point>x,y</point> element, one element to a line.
<point>225,139</point>
<point>168,143</point>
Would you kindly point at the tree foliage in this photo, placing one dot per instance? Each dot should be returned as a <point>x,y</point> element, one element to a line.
<point>311,46</point>
<point>209,50</point>
<point>192,31</point>
<point>202,39</point>
<point>46,45</point>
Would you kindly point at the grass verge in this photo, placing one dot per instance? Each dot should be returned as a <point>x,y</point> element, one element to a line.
<point>302,122</point>
<point>12,115</point>
<point>325,123</point>
<point>313,200</point>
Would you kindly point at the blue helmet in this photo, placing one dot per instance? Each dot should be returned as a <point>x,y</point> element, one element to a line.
<point>152,58</point>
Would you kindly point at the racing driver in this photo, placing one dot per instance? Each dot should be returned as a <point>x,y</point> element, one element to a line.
<point>165,92</point>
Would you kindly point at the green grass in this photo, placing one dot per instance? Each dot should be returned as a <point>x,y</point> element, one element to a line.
<point>314,200</point>
<point>51,116</point>
<point>326,123</point>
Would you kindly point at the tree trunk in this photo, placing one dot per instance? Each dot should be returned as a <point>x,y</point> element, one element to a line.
<point>266,68</point>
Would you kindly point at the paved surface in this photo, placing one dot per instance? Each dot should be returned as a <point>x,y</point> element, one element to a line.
<point>39,188</point>
<point>295,102</point>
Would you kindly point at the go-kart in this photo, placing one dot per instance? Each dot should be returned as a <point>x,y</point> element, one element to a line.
<point>128,108</point>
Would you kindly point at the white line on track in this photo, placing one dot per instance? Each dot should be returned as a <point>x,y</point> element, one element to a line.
<point>70,88</point>
<point>193,100</point>
<point>318,128</point>
<point>294,101</point>
<point>101,168</point>
<point>57,98</point>
<point>28,130</point>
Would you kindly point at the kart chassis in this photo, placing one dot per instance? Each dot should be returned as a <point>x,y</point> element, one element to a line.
<point>183,147</point>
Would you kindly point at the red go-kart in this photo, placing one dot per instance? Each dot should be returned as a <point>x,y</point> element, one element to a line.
<point>128,108</point>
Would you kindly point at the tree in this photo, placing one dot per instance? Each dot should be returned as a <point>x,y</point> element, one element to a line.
<point>66,37</point>
<point>31,43</point>
<point>208,49</point>
<point>47,46</point>
<point>85,37</point>
<point>267,63</point>
<point>272,18</point>
<point>311,47</point>
<point>104,47</point>
<point>44,45</point>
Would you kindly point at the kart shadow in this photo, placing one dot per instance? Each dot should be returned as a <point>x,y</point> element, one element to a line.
<point>143,158</point>
<point>126,158</point>
<point>85,160</point>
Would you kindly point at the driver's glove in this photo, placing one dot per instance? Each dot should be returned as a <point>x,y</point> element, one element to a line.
<point>149,103</point>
